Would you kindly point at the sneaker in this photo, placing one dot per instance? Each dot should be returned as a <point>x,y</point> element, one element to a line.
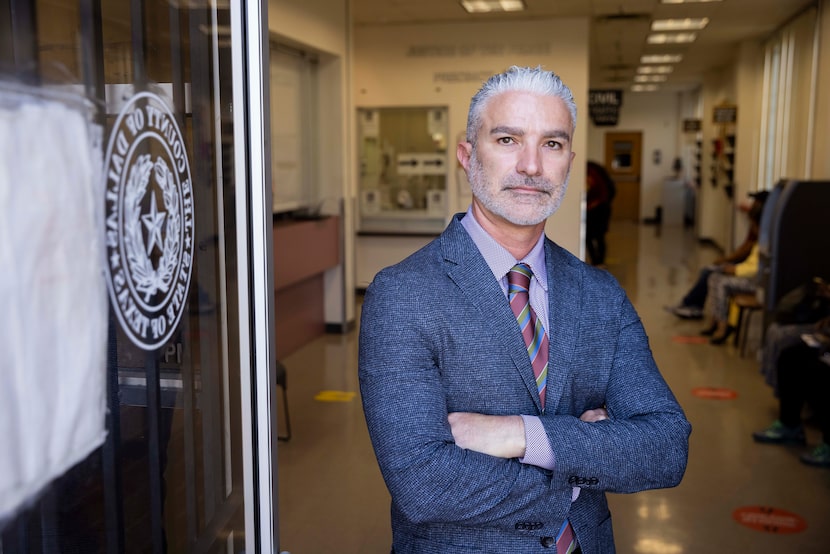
<point>686,312</point>
<point>820,456</point>
<point>778,433</point>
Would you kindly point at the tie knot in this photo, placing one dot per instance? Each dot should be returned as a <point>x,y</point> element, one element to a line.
<point>519,276</point>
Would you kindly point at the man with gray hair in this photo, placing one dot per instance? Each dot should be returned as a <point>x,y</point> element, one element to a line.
<point>507,386</point>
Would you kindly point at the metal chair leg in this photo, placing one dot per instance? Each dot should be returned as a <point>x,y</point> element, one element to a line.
<point>282,383</point>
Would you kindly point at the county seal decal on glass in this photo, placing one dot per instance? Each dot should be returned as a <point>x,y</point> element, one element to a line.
<point>149,221</point>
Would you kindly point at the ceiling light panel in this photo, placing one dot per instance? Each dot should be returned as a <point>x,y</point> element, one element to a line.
<point>644,88</point>
<point>661,58</point>
<point>484,6</point>
<point>671,38</point>
<point>687,24</point>
<point>654,69</point>
<point>650,78</point>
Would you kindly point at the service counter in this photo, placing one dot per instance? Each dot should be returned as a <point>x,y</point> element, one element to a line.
<point>304,249</point>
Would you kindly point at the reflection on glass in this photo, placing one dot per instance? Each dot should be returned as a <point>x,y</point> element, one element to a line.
<point>170,475</point>
<point>622,155</point>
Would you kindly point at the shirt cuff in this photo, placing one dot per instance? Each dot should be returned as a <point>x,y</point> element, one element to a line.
<point>538,451</point>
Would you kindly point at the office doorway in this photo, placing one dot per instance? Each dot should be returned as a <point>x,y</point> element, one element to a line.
<point>623,160</point>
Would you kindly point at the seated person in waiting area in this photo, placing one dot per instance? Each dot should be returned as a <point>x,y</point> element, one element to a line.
<point>691,307</point>
<point>805,309</point>
<point>507,385</point>
<point>803,376</point>
<point>722,287</point>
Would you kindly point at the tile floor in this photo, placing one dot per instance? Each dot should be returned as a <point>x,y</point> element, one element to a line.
<point>333,500</point>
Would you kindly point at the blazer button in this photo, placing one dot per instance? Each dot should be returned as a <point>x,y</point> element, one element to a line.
<point>548,542</point>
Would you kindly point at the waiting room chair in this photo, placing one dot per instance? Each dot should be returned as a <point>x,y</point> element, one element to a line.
<point>747,304</point>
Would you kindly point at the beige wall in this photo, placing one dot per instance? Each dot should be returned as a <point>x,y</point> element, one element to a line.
<point>821,139</point>
<point>322,27</point>
<point>321,24</point>
<point>749,81</point>
<point>443,65</point>
<point>657,117</point>
<point>714,209</point>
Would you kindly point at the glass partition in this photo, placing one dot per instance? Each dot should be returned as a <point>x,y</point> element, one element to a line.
<point>169,474</point>
<point>403,170</point>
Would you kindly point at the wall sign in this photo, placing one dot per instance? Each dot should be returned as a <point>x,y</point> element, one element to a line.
<point>149,221</point>
<point>604,106</point>
<point>692,125</point>
<point>725,114</point>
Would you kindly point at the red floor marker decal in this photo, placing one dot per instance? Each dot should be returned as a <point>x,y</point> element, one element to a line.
<point>714,393</point>
<point>690,339</point>
<point>769,520</point>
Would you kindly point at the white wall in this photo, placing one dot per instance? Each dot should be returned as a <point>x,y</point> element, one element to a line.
<point>657,117</point>
<point>445,64</point>
<point>321,24</point>
<point>323,27</point>
<point>749,81</point>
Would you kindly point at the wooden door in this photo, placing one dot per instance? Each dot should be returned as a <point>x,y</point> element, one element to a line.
<point>623,160</point>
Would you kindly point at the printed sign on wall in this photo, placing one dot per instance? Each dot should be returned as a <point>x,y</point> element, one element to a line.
<point>604,106</point>
<point>149,221</point>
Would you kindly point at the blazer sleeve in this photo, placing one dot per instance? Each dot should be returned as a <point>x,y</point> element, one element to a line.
<point>403,329</point>
<point>644,442</point>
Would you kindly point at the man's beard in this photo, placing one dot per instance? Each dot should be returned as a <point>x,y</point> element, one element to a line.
<point>521,209</point>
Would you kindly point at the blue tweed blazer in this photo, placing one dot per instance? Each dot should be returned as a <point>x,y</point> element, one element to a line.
<point>437,336</point>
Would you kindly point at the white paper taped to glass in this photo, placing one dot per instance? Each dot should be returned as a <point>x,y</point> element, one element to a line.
<point>53,297</point>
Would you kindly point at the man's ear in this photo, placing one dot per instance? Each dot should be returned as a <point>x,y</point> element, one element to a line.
<point>463,153</point>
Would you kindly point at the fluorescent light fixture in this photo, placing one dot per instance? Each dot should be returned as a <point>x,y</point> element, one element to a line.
<point>484,6</point>
<point>687,24</point>
<point>650,78</point>
<point>654,69</point>
<point>687,1</point>
<point>644,88</point>
<point>661,58</point>
<point>671,38</point>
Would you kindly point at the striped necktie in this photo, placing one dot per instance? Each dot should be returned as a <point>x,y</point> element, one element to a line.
<point>518,281</point>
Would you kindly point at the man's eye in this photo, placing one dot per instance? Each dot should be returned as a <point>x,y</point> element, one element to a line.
<point>505,140</point>
<point>554,144</point>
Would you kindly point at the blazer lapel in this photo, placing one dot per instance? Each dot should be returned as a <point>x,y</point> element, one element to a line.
<point>564,309</point>
<point>468,269</point>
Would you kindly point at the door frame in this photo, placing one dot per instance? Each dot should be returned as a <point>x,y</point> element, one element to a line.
<point>255,265</point>
<point>625,177</point>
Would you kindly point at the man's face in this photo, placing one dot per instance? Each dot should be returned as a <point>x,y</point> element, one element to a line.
<point>519,168</point>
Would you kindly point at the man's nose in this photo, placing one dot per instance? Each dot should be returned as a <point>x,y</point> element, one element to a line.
<point>530,161</point>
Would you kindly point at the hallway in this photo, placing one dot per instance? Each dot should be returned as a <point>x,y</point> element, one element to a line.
<point>332,498</point>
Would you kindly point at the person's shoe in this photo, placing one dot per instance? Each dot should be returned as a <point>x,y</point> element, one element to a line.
<point>686,312</point>
<point>720,339</point>
<point>819,457</point>
<point>778,433</point>
<point>709,331</point>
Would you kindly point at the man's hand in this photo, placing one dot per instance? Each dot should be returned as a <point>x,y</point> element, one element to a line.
<point>500,436</point>
<point>592,416</point>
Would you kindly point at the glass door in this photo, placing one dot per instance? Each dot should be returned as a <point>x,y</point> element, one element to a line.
<point>173,93</point>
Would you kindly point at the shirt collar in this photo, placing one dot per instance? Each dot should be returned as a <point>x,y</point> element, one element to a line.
<point>497,256</point>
